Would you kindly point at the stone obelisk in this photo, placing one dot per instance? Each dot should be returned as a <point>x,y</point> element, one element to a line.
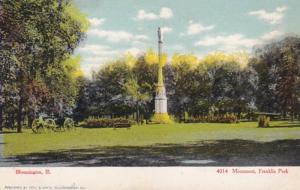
<point>161,112</point>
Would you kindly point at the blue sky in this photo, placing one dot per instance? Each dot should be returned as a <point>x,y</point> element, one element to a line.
<point>190,26</point>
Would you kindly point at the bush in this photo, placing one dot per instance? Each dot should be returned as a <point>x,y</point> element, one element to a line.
<point>104,122</point>
<point>263,121</point>
<point>227,118</point>
<point>161,118</point>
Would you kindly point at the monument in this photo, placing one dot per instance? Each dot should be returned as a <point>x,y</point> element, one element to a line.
<point>161,112</point>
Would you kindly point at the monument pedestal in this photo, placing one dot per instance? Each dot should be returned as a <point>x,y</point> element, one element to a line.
<point>161,100</point>
<point>161,112</point>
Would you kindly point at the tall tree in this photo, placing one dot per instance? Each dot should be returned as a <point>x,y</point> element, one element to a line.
<point>138,96</point>
<point>278,68</point>
<point>39,35</point>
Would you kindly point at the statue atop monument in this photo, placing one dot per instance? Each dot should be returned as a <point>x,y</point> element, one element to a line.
<point>159,35</point>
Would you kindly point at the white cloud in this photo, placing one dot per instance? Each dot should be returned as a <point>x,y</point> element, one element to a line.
<point>91,64</point>
<point>88,68</point>
<point>232,40</point>
<point>98,50</point>
<point>271,17</point>
<point>165,30</point>
<point>116,36</point>
<point>113,35</point>
<point>271,35</point>
<point>143,15</point>
<point>196,28</point>
<point>94,55</point>
<point>96,21</point>
<point>175,47</point>
<point>237,41</point>
<point>165,13</point>
<point>134,51</point>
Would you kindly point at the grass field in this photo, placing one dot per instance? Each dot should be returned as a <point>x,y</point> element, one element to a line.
<point>146,135</point>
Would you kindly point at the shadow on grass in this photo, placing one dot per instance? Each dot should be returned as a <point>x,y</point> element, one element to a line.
<point>207,153</point>
<point>8,132</point>
<point>288,125</point>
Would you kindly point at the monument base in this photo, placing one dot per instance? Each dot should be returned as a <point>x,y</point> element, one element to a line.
<point>161,118</point>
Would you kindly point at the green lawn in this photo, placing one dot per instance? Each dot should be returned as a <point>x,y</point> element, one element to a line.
<point>27,142</point>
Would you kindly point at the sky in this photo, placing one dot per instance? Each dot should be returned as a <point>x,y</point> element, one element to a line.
<point>196,27</point>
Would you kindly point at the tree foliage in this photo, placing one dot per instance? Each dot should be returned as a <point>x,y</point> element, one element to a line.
<point>212,85</point>
<point>37,39</point>
<point>278,68</point>
<point>218,83</point>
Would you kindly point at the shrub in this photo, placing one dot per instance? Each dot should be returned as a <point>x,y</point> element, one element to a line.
<point>161,118</point>
<point>263,121</point>
<point>104,122</point>
<point>227,118</point>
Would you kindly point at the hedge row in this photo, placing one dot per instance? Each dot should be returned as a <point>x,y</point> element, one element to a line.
<point>106,122</point>
<point>227,118</point>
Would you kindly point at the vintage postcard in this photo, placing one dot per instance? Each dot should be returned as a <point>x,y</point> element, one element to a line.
<point>141,94</point>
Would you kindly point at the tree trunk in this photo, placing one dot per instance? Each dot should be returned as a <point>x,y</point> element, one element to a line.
<point>19,117</point>
<point>1,117</point>
<point>10,121</point>
<point>294,109</point>
<point>30,121</point>
<point>142,118</point>
<point>1,107</point>
<point>137,114</point>
<point>20,107</point>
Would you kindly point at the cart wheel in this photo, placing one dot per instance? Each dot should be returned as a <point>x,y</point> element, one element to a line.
<point>50,124</point>
<point>68,124</point>
<point>38,125</point>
